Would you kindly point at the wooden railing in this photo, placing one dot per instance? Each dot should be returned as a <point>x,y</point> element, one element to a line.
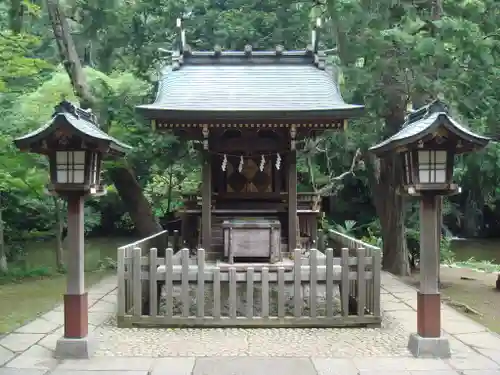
<point>338,239</point>
<point>161,239</point>
<point>311,291</point>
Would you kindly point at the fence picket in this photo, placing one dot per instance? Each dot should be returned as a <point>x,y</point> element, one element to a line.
<point>297,280</point>
<point>344,292</point>
<point>249,304</point>
<point>120,270</point>
<point>313,282</point>
<point>265,292</point>
<point>200,296</point>
<point>216,286</point>
<point>137,282</point>
<point>360,254</point>
<point>169,264</point>
<point>153,301</point>
<point>329,282</point>
<point>376,268</point>
<point>185,283</point>
<point>281,292</point>
<point>141,277</point>
<point>232,292</point>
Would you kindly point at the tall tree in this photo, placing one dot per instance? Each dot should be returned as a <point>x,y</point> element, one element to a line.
<point>123,178</point>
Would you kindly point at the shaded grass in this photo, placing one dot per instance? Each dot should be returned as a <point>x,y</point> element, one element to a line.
<point>35,287</point>
<point>24,301</point>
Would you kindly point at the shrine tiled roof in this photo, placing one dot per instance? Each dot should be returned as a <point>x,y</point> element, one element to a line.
<point>82,121</point>
<point>217,83</point>
<point>427,120</point>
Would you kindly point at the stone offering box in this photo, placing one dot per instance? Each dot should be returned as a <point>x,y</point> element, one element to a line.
<point>252,238</point>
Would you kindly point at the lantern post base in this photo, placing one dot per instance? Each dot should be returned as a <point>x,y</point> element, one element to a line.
<point>75,348</point>
<point>429,347</point>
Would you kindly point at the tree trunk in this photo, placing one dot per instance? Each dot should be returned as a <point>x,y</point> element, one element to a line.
<point>125,182</point>
<point>59,234</point>
<point>3,256</point>
<point>390,209</point>
<point>136,203</point>
<point>16,16</point>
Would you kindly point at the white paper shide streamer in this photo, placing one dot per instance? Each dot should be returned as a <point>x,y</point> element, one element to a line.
<point>224,163</point>
<point>240,167</point>
<point>262,163</point>
<point>278,161</point>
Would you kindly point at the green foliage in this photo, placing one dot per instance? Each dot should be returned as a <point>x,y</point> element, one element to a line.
<point>388,53</point>
<point>19,274</point>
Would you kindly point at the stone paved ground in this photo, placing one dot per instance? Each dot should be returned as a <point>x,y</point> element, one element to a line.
<point>475,351</point>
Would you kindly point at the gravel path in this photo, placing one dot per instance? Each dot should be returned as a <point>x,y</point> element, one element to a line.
<point>390,340</point>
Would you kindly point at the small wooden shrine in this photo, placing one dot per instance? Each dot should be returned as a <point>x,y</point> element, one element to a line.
<point>248,112</point>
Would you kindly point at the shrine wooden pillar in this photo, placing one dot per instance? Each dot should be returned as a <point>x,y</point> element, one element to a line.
<point>206,195</point>
<point>292,192</point>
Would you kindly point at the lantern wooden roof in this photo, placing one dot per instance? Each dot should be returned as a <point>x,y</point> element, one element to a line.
<point>261,88</point>
<point>71,120</point>
<point>425,124</point>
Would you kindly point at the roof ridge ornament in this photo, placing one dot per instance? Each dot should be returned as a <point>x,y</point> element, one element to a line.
<point>315,34</point>
<point>248,50</point>
<point>436,106</point>
<point>182,34</point>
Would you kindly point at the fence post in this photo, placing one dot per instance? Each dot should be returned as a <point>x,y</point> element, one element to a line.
<point>360,255</point>
<point>297,284</point>
<point>200,297</point>
<point>344,283</point>
<point>329,282</point>
<point>136,281</point>
<point>153,293</point>
<point>313,282</point>
<point>169,287</point>
<point>185,283</point>
<point>120,295</point>
<point>376,268</point>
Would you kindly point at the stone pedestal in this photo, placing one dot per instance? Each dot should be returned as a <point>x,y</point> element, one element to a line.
<point>75,348</point>
<point>429,347</point>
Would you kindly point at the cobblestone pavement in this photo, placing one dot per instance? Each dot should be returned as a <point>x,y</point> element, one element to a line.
<point>475,351</point>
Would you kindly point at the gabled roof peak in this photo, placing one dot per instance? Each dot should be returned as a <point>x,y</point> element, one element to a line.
<point>67,107</point>
<point>249,56</point>
<point>436,106</point>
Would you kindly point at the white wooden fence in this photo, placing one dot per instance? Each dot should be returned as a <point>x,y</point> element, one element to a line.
<point>343,240</point>
<point>303,292</point>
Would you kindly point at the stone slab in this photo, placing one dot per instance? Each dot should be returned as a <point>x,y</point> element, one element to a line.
<point>481,372</point>
<point>103,306</point>
<point>491,354</point>
<point>334,366</point>
<point>108,364</point>
<point>472,361</point>
<point>69,348</point>
<point>422,347</point>
<point>173,366</point>
<point>98,318</point>
<point>18,371</point>
<point>39,326</point>
<point>18,342</point>
<point>5,355</point>
<point>121,372</point>
<point>54,316</point>
<point>253,365</point>
<point>400,364</point>
<point>36,357</point>
<point>483,340</point>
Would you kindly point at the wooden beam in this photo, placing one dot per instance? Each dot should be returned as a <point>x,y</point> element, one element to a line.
<point>292,200</point>
<point>206,214</point>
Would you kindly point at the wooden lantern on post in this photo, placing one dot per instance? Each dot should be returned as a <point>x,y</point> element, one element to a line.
<point>426,147</point>
<point>75,147</point>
